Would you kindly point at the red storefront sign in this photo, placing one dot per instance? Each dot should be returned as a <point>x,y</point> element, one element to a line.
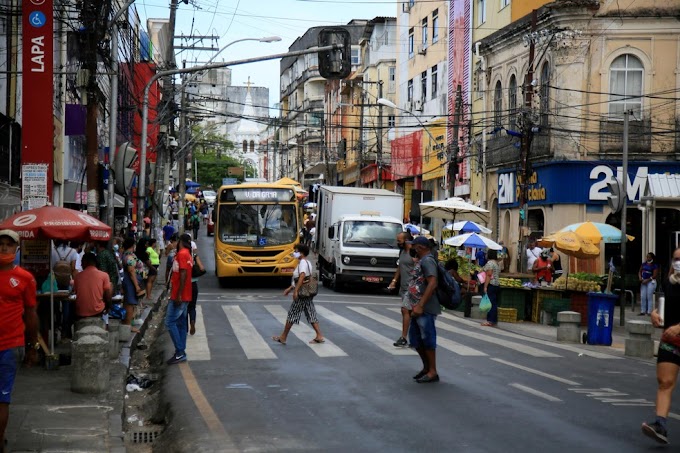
<point>37,132</point>
<point>407,156</point>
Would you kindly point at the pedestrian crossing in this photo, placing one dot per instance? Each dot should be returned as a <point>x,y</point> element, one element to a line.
<point>377,326</point>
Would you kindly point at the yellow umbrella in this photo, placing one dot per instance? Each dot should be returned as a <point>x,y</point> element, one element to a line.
<point>597,232</point>
<point>189,197</point>
<point>571,244</point>
<point>288,182</point>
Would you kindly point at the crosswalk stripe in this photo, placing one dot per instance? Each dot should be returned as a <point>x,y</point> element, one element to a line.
<point>494,340</point>
<point>380,341</point>
<point>565,347</point>
<point>537,372</point>
<point>535,392</point>
<point>305,333</point>
<point>197,344</point>
<point>250,340</point>
<point>441,342</point>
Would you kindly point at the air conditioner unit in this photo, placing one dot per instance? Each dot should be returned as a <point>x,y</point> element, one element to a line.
<point>418,105</point>
<point>422,50</point>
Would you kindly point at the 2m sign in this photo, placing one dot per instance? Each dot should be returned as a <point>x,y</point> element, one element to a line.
<point>602,173</point>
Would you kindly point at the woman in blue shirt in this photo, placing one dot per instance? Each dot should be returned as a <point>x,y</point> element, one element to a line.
<point>648,273</point>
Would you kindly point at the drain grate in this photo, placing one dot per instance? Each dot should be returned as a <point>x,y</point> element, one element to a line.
<point>144,434</point>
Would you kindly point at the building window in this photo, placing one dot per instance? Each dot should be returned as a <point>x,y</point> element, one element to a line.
<point>625,86</point>
<point>504,3</point>
<point>545,93</point>
<point>356,56</point>
<point>498,106</point>
<point>423,86</point>
<point>410,42</point>
<point>435,26</point>
<point>391,79</point>
<point>433,76</point>
<point>512,102</point>
<point>481,11</point>
<point>391,121</point>
<point>424,32</point>
<point>409,90</point>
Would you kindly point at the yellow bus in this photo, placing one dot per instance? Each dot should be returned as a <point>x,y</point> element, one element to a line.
<point>256,227</point>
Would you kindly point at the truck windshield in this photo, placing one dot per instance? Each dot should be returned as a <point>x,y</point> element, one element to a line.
<point>370,233</point>
<point>257,225</point>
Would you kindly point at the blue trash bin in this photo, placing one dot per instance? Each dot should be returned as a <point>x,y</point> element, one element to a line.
<point>600,318</point>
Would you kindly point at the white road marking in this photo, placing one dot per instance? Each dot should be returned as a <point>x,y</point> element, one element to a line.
<point>605,395</point>
<point>380,341</point>
<point>565,347</point>
<point>197,344</point>
<point>250,340</point>
<point>536,372</point>
<point>535,392</point>
<point>675,416</point>
<point>495,340</point>
<point>441,342</point>
<point>305,333</point>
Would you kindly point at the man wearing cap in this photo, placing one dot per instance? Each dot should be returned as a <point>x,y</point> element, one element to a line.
<point>180,297</point>
<point>18,320</point>
<point>422,334</point>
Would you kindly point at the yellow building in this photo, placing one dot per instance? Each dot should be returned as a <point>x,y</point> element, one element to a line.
<point>591,64</point>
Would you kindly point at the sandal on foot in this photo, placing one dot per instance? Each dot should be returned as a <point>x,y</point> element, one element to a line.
<point>487,324</point>
<point>278,340</point>
<point>317,340</point>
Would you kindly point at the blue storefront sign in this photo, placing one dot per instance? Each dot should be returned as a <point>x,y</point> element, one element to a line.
<point>577,182</point>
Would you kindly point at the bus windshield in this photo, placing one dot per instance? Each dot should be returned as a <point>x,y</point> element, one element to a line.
<point>257,225</point>
<point>370,233</point>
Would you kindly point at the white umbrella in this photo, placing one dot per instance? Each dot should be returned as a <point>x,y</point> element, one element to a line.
<point>415,229</point>
<point>472,240</point>
<point>468,226</point>
<point>449,208</point>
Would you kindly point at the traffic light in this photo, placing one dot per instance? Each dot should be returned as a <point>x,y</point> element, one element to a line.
<point>617,195</point>
<point>122,163</point>
<point>335,63</point>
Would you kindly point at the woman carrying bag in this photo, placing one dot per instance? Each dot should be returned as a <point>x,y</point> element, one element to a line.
<point>492,287</point>
<point>301,276</point>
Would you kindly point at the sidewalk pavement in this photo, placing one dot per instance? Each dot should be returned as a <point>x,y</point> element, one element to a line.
<point>45,415</point>
<point>549,333</point>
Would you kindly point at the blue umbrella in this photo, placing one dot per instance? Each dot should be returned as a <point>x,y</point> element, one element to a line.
<point>192,184</point>
<point>472,240</point>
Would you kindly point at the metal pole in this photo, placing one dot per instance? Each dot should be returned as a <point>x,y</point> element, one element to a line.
<point>379,162</point>
<point>624,238</point>
<point>453,158</point>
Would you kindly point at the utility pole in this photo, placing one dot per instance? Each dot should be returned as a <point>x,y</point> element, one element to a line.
<point>453,157</point>
<point>180,184</point>
<point>624,237</point>
<point>379,156</point>
<point>360,164</point>
<point>525,146</point>
<point>324,149</point>
<point>94,16</point>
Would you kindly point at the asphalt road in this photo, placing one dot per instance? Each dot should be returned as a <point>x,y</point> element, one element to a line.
<point>240,391</point>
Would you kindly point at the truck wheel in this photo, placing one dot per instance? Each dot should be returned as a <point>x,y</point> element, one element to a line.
<point>335,285</point>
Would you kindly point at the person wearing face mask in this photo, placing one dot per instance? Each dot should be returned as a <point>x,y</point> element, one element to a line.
<point>300,304</point>
<point>402,276</point>
<point>648,274</point>
<point>18,321</point>
<point>668,359</point>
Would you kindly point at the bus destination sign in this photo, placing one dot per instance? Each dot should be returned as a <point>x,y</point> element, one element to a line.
<point>261,195</point>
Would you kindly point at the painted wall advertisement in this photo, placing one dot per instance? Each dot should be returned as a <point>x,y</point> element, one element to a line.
<point>37,102</point>
<point>577,182</point>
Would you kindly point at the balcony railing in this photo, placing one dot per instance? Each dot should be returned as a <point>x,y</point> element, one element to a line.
<point>639,139</point>
<point>503,150</point>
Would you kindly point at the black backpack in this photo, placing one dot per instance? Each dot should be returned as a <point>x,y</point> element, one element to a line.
<point>448,290</point>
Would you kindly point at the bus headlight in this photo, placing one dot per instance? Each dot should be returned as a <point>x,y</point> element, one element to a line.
<point>346,259</point>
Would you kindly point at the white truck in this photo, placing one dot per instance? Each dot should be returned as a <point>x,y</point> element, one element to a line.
<point>356,231</point>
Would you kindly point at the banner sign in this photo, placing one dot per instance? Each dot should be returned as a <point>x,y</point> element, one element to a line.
<point>37,132</point>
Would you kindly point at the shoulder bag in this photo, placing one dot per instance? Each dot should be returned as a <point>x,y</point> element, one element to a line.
<point>310,285</point>
<point>196,270</point>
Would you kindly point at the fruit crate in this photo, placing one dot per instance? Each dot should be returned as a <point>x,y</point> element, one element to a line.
<point>554,306</point>
<point>514,298</point>
<point>507,314</point>
<point>539,295</point>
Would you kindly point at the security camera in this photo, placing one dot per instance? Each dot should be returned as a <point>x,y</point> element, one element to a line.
<point>172,142</point>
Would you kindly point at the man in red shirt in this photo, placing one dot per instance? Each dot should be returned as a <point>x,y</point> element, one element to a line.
<point>18,319</point>
<point>92,288</point>
<point>180,296</point>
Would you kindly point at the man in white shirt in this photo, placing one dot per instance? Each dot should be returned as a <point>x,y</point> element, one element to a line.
<point>532,253</point>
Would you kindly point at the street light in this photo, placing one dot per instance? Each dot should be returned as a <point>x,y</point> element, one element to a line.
<point>141,191</point>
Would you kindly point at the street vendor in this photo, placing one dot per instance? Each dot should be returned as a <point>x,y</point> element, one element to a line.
<point>542,267</point>
<point>18,320</point>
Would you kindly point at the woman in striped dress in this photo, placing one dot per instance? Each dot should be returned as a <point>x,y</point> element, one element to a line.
<point>300,304</point>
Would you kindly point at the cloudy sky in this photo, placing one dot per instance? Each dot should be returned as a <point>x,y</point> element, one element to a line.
<point>236,19</point>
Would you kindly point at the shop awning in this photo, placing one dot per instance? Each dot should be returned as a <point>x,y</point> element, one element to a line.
<point>663,186</point>
<point>75,193</point>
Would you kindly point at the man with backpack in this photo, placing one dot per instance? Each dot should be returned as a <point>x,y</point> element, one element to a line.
<point>195,223</point>
<point>425,308</point>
